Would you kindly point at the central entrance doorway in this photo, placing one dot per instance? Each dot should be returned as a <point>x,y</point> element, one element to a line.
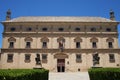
<point>60,65</point>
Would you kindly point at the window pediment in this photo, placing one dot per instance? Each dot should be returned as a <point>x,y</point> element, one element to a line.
<point>44,39</point>
<point>11,39</point>
<point>94,39</point>
<point>60,39</point>
<point>28,39</point>
<point>110,40</point>
<point>61,55</point>
<point>77,39</point>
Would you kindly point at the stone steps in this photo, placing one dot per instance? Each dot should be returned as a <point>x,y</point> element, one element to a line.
<point>69,76</point>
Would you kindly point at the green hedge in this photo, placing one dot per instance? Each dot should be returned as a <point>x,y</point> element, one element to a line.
<point>104,74</point>
<point>24,74</point>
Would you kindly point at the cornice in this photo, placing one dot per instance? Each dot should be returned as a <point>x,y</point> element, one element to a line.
<point>57,23</point>
<point>57,50</point>
<point>60,34</point>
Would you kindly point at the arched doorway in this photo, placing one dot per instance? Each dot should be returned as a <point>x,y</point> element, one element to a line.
<point>60,61</point>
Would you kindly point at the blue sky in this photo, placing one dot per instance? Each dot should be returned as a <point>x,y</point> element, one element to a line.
<point>19,8</point>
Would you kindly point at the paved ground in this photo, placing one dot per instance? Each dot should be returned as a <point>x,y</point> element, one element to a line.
<point>69,76</point>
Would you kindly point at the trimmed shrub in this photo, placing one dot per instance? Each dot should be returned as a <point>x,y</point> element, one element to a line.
<point>24,74</point>
<point>104,74</point>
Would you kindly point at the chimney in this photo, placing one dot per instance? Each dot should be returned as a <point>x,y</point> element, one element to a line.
<point>112,17</point>
<point>8,16</point>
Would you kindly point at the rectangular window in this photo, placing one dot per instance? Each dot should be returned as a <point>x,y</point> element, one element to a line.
<point>108,29</point>
<point>94,45</point>
<point>78,58</point>
<point>11,45</point>
<point>77,44</point>
<point>28,44</point>
<point>110,45</point>
<point>10,58</point>
<point>112,58</point>
<point>44,58</point>
<point>44,45</point>
<point>93,29</point>
<point>27,57</point>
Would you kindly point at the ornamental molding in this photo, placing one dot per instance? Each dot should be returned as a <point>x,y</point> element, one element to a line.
<point>11,39</point>
<point>109,39</point>
<point>77,39</point>
<point>59,34</point>
<point>61,39</point>
<point>44,39</point>
<point>60,55</point>
<point>93,39</point>
<point>28,39</point>
<point>60,23</point>
<point>58,51</point>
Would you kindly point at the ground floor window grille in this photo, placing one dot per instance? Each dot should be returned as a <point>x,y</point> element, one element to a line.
<point>10,58</point>
<point>44,58</point>
<point>27,57</point>
<point>78,58</point>
<point>111,58</point>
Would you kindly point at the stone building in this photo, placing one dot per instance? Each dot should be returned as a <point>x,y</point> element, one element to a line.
<point>63,44</point>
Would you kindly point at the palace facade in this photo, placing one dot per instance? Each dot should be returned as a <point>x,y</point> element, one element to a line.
<point>64,44</point>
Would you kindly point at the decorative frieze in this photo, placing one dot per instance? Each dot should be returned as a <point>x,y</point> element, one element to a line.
<point>59,34</point>
<point>58,51</point>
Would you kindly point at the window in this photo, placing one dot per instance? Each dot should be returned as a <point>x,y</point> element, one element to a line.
<point>77,44</point>
<point>44,58</point>
<point>93,29</point>
<point>77,29</point>
<point>29,29</point>
<point>44,45</point>
<point>61,29</point>
<point>11,45</point>
<point>108,29</point>
<point>12,29</point>
<point>110,45</point>
<point>44,29</point>
<point>28,44</point>
<point>78,58</point>
<point>111,58</point>
<point>27,57</point>
<point>94,45</point>
<point>10,58</point>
